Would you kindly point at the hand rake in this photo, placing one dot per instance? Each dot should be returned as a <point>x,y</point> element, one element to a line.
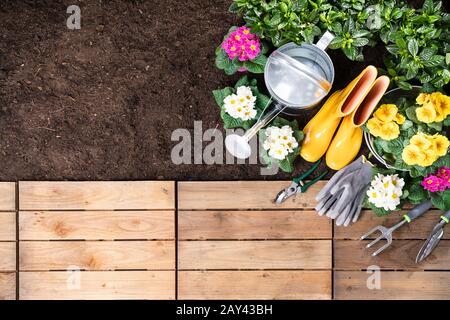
<point>386,233</point>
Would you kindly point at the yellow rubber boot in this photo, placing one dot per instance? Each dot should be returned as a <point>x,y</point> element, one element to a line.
<point>320,129</point>
<point>347,142</point>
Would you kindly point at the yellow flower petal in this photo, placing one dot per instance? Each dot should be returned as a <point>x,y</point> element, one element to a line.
<point>440,144</point>
<point>374,126</point>
<point>386,112</point>
<point>426,113</point>
<point>412,155</point>
<point>421,141</point>
<point>423,98</point>
<point>400,119</point>
<point>389,131</point>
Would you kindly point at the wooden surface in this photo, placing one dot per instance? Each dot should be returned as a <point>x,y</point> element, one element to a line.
<point>275,284</point>
<point>96,225</point>
<point>399,276</point>
<point>98,285</point>
<point>406,285</point>
<point>7,241</point>
<point>235,243</point>
<point>110,195</point>
<point>117,240</point>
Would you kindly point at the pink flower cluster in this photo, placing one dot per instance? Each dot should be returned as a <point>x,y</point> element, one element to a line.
<point>438,182</point>
<point>243,44</point>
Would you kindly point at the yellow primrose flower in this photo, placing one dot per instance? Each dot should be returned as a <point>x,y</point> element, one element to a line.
<point>440,144</point>
<point>422,141</point>
<point>426,113</point>
<point>389,131</point>
<point>423,98</point>
<point>374,126</point>
<point>445,105</point>
<point>386,112</point>
<point>400,119</point>
<point>430,158</point>
<point>412,155</point>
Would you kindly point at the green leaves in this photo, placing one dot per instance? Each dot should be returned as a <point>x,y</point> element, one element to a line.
<point>413,47</point>
<point>418,40</point>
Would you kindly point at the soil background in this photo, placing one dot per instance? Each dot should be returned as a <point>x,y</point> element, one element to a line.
<point>101,103</point>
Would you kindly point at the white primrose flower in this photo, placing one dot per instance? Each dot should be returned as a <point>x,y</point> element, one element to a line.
<point>279,142</point>
<point>386,191</point>
<point>239,107</point>
<point>246,93</point>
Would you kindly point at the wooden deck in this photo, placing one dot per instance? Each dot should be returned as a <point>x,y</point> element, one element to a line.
<point>222,240</point>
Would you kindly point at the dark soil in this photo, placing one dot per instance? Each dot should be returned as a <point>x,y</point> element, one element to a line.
<point>101,103</point>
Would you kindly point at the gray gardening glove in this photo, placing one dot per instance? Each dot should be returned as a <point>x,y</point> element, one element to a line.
<point>342,197</point>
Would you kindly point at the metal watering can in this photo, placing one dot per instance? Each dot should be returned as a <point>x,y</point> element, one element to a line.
<point>297,77</point>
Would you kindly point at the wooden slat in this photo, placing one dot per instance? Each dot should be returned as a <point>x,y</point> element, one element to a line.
<point>394,285</point>
<point>100,195</point>
<point>305,254</point>
<point>216,195</point>
<point>352,255</point>
<point>102,285</point>
<point>7,196</point>
<point>7,226</point>
<point>7,286</point>
<point>7,256</point>
<point>96,225</point>
<point>104,255</point>
<point>200,285</point>
<point>418,229</point>
<point>252,225</point>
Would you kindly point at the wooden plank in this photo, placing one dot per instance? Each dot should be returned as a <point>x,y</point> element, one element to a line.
<point>96,225</point>
<point>7,196</point>
<point>418,229</point>
<point>216,195</point>
<point>98,285</point>
<point>7,226</point>
<point>418,285</point>
<point>270,254</point>
<point>201,285</point>
<point>97,255</point>
<point>7,256</point>
<point>201,225</point>
<point>99,195</point>
<point>7,286</point>
<point>352,255</point>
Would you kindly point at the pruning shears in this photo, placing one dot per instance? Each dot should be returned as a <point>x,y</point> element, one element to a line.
<point>298,185</point>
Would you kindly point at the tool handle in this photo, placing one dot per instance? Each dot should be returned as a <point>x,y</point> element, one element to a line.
<point>418,210</point>
<point>310,183</point>
<point>446,216</point>
<point>307,173</point>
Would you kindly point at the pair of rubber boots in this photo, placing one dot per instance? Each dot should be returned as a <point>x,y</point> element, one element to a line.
<point>350,107</point>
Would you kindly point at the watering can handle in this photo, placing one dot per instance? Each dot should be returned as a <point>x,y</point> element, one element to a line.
<point>325,40</point>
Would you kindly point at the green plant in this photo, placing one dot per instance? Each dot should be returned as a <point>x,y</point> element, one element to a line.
<point>287,163</point>
<point>261,102</point>
<point>418,41</point>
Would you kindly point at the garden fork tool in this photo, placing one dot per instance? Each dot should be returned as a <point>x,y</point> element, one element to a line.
<point>298,185</point>
<point>386,233</point>
<point>434,238</point>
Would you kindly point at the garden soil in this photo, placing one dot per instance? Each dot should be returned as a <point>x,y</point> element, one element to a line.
<point>101,103</point>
